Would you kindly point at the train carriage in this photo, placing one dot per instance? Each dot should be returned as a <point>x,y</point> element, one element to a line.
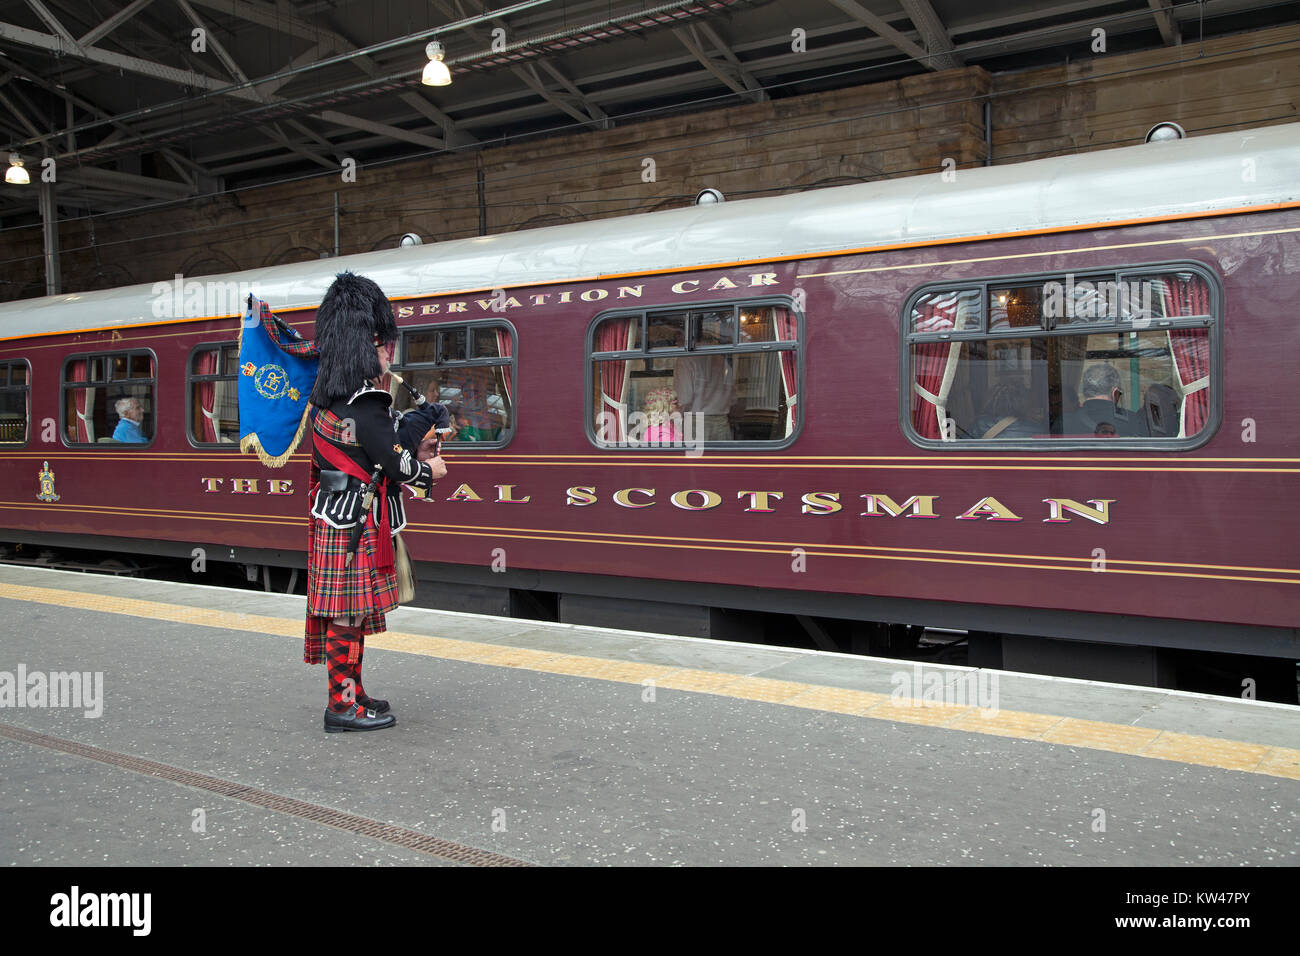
<point>1047,403</point>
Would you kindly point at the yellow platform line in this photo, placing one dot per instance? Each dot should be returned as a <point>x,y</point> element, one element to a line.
<point>1047,728</point>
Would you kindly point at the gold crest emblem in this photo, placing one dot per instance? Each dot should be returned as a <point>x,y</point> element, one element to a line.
<point>46,478</point>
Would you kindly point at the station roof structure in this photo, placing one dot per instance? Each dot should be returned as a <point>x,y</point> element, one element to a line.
<point>142,100</point>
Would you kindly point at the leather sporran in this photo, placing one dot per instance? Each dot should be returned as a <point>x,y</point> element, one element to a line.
<point>405,571</point>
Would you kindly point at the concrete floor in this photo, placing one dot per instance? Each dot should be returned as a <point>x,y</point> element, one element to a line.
<point>558,769</point>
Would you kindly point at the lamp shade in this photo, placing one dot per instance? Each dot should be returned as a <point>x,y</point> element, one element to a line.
<point>436,74</point>
<point>15,174</point>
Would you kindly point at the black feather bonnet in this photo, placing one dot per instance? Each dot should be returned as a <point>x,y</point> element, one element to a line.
<point>353,315</point>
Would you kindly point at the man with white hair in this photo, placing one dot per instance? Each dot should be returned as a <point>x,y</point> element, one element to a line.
<point>1101,411</point>
<point>130,413</point>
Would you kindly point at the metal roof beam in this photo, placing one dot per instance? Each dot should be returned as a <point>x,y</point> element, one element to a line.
<point>1165,22</point>
<point>277,134</point>
<point>727,69</point>
<point>415,100</point>
<point>51,21</point>
<point>18,114</point>
<point>277,19</point>
<point>382,129</point>
<point>113,22</point>
<point>175,159</point>
<point>571,101</point>
<point>563,101</point>
<point>226,59</point>
<point>158,71</point>
<point>932,31</point>
<point>878,25</point>
<point>130,183</point>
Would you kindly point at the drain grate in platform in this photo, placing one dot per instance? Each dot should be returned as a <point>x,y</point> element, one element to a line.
<point>362,826</point>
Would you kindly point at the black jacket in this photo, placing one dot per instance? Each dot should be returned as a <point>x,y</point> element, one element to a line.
<point>365,428</point>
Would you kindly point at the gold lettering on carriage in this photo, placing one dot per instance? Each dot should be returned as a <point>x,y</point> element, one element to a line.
<point>497,304</point>
<point>897,507</point>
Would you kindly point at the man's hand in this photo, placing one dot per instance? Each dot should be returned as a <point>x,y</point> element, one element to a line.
<point>439,468</point>
<point>428,449</point>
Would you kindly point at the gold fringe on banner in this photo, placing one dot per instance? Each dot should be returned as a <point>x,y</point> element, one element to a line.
<point>250,443</point>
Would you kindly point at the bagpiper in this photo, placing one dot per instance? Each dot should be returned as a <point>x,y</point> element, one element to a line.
<point>363,452</point>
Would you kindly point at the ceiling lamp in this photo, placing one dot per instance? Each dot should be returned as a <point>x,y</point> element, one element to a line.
<point>1164,132</point>
<point>15,174</point>
<point>435,71</point>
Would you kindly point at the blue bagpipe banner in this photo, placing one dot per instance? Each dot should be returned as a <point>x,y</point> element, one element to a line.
<point>277,369</point>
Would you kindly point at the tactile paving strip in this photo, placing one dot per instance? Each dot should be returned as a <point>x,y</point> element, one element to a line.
<point>362,826</point>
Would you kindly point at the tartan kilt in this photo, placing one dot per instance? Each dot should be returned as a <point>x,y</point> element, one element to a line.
<point>337,590</point>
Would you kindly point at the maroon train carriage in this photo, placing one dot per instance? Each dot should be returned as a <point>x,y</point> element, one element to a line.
<point>1051,403</point>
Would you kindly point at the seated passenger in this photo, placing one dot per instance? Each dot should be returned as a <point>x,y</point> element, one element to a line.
<point>1010,412</point>
<point>130,414</point>
<point>475,420</point>
<point>662,415</point>
<point>1102,405</point>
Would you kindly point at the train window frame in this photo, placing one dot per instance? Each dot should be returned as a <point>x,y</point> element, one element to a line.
<point>689,348</point>
<point>64,385</point>
<point>191,378</point>
<point>1213,322</point>
<point>401,366</point>
<point>6,385</point>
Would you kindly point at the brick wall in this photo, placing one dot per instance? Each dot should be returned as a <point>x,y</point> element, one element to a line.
<point>847,135</point>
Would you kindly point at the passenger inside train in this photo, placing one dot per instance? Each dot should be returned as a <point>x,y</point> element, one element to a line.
<point>990,362</point>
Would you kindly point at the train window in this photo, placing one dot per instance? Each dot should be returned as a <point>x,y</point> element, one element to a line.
<point>725,375</point>
<point>108,399</point>
<point>1120,355</point>
<point>214,394</point>
<point>470,368</point>
<point>15,406</point>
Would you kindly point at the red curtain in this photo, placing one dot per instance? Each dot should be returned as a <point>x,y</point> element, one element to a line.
<point>929,360</point>
<point>614,335</point>
<point>787,330</point>
<point>1184,296</point>
<point>77,373</point>
<point>207,394</point>
<point>505,348</point>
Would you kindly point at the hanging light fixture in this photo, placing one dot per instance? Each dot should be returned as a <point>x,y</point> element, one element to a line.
<point>15,174</point>
<point>435,71</point>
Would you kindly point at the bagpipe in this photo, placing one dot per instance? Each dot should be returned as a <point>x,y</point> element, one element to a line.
<point>277,370</point>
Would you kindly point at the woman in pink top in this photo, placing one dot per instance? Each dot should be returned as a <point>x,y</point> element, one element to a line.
<point>661,409</point>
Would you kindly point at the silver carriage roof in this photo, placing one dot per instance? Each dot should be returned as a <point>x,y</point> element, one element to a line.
<point>1197,175</point>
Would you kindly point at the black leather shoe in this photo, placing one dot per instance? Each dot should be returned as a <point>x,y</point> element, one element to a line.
<point>359,719</point>
<point>375,704</point>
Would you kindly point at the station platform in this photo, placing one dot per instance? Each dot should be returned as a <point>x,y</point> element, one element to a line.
<point>521,743</point>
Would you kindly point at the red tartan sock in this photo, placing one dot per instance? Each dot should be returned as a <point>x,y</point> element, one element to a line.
<point>342,683</point>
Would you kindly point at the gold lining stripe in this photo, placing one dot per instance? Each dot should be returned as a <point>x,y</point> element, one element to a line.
<point>632,539</point>
<point>927,464</point>
<point>468,456</point>
<point>1149,743</point>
